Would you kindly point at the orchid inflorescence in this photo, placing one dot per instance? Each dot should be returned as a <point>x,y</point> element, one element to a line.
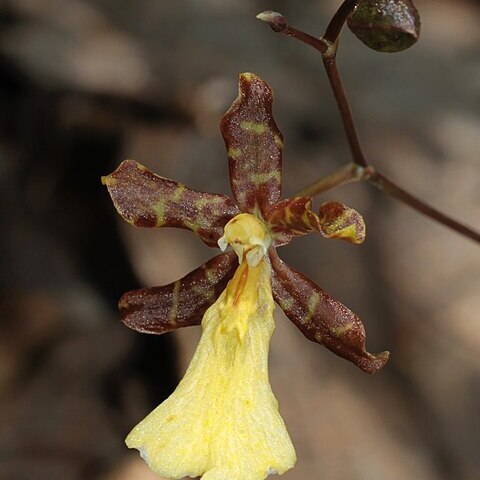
<point>222,421</point>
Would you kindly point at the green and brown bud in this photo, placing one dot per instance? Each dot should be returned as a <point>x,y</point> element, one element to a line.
<point>386,25</point>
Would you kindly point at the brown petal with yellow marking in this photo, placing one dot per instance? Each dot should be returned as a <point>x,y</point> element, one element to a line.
<point>254,146</point>
<point>290,218</point>
<point>321,318</point>
<point>145,199</point>
<point>180,304</point>
<point>342,222</point>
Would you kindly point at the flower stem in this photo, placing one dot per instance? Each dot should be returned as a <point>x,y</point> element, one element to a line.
<point>346,174</point>
<point>354,173</point>
<point>338,21</point>
<point>384,184</point>
<point>330,64</point>
<point>317,43</point>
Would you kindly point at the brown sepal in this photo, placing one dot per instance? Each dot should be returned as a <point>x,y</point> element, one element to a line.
<point>180,304</point>
<point>320,317</point>
<point>342,222</point>
<point>254,146</point>
<point>290,218</point>
<point>145,199</point>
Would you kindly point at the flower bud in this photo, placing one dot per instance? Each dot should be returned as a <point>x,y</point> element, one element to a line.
<point>276,20</point>
<point>386,25</point>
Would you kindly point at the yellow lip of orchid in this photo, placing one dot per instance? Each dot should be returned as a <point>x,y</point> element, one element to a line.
<point>222,421</point>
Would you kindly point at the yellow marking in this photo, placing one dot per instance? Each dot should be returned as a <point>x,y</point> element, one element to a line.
<point>172,315</point>
<point>312,304</point>
<point>261,178</point>
<point>278,141</point>
<point>288,215</point>
<point>318,337</point>
<point>249,77</point>
<point>254,127</point>
<point>191,225</point>
<point>202,202</point>
<point>288,303</point>
<point>348,226</point>
<point>178,193</point>
<point>337,331</point>
<point>349,232</point>
<point>234,153</point>
<point>307,220</point>
<point>241,195</point>
<point>108,180</point>
<point>208,293</point>
<point>159,209</point>
<point>211,276</point>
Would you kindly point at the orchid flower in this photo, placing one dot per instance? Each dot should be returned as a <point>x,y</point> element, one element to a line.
<point>222,421</point>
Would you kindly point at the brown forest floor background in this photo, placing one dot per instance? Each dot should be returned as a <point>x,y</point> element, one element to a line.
<point>85,84</point>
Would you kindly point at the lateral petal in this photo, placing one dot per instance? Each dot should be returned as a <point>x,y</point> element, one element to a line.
<point>145,199</point>
<point>321,318</point>
<point>180,304</point>
<point>342,222</point>
<point>294,217</point>
<point>290,218</point>
<point>254,146</point>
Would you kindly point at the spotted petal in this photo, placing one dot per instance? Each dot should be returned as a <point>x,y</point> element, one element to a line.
<point>292,217</point>
<point>179,304</point>
<point>254,146</point>
<point>321,318</point>
<point>145,199</point>
<point>342,222</point>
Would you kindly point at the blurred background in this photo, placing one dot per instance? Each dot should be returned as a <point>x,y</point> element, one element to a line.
<point>85,84</point>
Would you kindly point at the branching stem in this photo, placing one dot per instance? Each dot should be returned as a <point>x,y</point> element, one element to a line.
<point>360,169</point>
<point>355,173</point>
<point>347,174</point>
<point>384,184</point>
<point>317,43</point>
<point>338,21</point>
<point>345,111</point>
